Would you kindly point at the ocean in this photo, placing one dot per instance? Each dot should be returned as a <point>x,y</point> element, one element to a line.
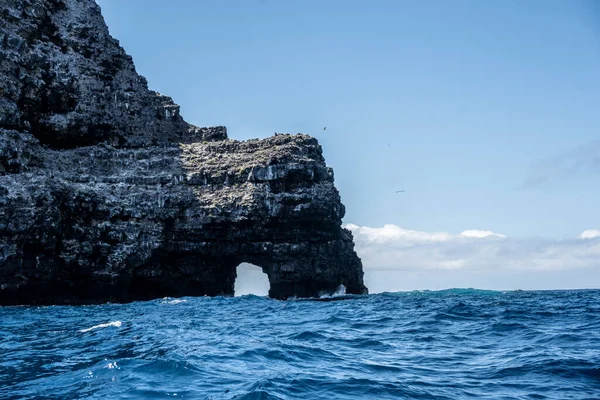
<point>451,344</point>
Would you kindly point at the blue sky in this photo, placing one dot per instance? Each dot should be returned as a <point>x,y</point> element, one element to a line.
<point>485,113</point>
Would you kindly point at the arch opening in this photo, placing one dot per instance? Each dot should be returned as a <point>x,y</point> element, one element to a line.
<point>250,279</point>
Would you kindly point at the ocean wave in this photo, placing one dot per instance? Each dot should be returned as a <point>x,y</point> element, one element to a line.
<point>450,344</point>
<point>175,301</point>
<point>116,324</point>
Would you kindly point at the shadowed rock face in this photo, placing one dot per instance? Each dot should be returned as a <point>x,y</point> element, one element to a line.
<point>107,194</point>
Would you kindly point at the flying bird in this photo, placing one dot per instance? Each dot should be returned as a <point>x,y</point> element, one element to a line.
<point>325,128</point>
<point>399,191</point>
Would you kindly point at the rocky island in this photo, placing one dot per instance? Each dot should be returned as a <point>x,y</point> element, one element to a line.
<point>107,194</point>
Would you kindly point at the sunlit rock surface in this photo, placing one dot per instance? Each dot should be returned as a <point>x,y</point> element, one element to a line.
<point>107,194</point>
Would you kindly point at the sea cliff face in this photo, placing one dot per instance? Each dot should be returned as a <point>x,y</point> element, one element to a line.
<point>107,194</point>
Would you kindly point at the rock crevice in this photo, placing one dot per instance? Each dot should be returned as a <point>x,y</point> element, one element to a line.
<point>107,194</point>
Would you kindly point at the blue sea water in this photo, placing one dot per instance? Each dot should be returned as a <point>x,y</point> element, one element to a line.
<point>453,344</point>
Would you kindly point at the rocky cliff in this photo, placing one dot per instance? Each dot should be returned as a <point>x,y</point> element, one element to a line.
<point>107,194</point>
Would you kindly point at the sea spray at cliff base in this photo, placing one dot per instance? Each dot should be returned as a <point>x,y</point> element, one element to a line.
<point>453,344</point>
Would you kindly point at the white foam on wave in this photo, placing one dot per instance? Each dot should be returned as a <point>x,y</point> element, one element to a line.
<point>167,300</point>
<point>177,301</point>
<point>116,324</point>
<point>112,365</point>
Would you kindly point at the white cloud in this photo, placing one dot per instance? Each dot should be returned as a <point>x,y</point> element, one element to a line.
<point>393,233</point>
<point>474,258</point>
<point>590,234</point>
<point>474,233</point>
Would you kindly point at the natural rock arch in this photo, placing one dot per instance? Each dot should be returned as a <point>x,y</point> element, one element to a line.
<point>107,194</point>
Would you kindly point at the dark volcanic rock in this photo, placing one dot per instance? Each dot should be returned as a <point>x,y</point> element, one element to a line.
<point>107,194</point>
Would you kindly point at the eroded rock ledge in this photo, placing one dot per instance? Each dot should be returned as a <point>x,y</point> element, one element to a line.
<point>107,194</point>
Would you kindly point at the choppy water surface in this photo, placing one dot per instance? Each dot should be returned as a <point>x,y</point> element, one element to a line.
<point>419,345</point>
